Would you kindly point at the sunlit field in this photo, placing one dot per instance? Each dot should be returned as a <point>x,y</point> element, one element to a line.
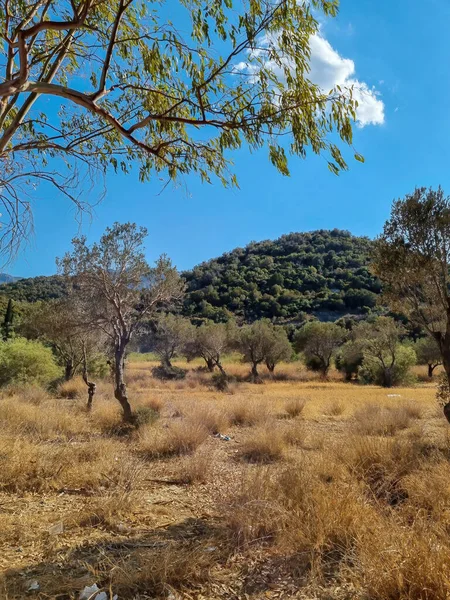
<point>293,488</point>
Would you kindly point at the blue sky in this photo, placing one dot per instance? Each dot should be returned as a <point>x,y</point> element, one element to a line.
<point>400,51</point>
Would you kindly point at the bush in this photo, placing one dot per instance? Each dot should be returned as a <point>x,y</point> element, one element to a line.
<point>98,366</point>
<point>373,371</point>
<point>168,373</point>
<point>26,362</point>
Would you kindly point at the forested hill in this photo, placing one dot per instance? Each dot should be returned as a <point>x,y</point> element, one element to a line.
<point>321,272</point>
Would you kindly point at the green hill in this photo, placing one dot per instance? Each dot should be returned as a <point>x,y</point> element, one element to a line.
<point>322,272</point>
<point>35,288</point>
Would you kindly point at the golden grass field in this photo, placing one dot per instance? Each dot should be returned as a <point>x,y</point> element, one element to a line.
<point>325,490</point>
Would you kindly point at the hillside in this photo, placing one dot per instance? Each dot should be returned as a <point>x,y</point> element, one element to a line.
<point>34,288</point>
<point>321,272</point>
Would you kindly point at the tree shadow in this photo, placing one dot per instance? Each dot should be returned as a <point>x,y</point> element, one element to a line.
<point>176,557</point>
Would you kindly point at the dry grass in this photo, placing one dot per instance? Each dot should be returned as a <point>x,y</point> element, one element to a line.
<point>265,444</point>
<point>213,418</point>
<point>373,419</point>
<point>46,420</point>
<point>75,388</point>
<point>39,466</point>
<point>294,407</point>
<point>382,464</point>
<point>196,468</point>
<point>177,439</point>
<point>245,412</point>
<point>349,507</point>
<point>334,408</point>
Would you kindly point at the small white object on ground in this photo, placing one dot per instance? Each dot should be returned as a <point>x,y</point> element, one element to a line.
<point>56,529</point>
<point>394,395</point>
<point>90,590</point>
<point>33,586</point>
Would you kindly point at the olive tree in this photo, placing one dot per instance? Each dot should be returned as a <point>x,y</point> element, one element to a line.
<point>278,347</point>
<point>95,84</point>
<point>412,259</point>
<point>263,342</point>
<point>53,323</point>
<point>210,341</point>
<point>319,343</point>
<point>385,360</point>
<point>171,334</point>
<point>428,353</point>
<point>62,325</point>
<point>119,290</point>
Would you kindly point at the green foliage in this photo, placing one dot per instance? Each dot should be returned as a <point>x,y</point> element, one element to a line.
<point>263,341</point>
<point>26,362</point>
<point>168,96</point>
<point>386,361</point>
<point>374,371</point>
<point>98,366</point>
<point>428,352</point>
<point>322,272</point>
<point>36,288</point>
<point>169,336</point>
<point>319,343</point>
<point>349,358</point>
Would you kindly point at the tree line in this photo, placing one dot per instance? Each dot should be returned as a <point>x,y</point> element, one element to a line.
<point>115,299</point>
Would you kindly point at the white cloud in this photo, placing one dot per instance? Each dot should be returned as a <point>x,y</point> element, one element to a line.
<point>329,68</point>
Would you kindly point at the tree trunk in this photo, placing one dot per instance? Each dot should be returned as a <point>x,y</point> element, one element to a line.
<point>210,364</point>
<point>120,388</point>
<point>221,369</point>
<point>166,362</point>
<point>92,388</point>
<point>69,370</point>
<point>445,352</point>
<point>430,370</point>
<point>387,376</point>
<point>90,384</point>
<point>270,367</point>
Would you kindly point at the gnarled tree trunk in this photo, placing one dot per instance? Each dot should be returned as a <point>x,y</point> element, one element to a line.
<point>120,388</point>
<point>69,370</point>
<point>92,388</point>
<point>210,364</point>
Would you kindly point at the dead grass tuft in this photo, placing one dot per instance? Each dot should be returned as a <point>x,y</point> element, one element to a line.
<point>247,413</point>
<point>178,438</point>
<point>294,407</point>
<point>47,420</point>
<point>381,464</point>
<point>264,445</point>
<point>196,468</point>
<point>373,419</point>
<point>75,388</point>
<point>334,408</point>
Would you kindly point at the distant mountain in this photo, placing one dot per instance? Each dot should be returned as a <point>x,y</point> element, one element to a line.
<point>5,278</point>
<point>324,273</point>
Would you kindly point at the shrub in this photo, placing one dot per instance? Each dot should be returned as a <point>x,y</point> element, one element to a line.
<point>26,362</point>
<point>373,371</point>
<point>145,415</point>
<point>165,372</point>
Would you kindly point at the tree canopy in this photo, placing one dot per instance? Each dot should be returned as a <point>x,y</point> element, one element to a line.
<point>321,272</point>
<point>130,82</point>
